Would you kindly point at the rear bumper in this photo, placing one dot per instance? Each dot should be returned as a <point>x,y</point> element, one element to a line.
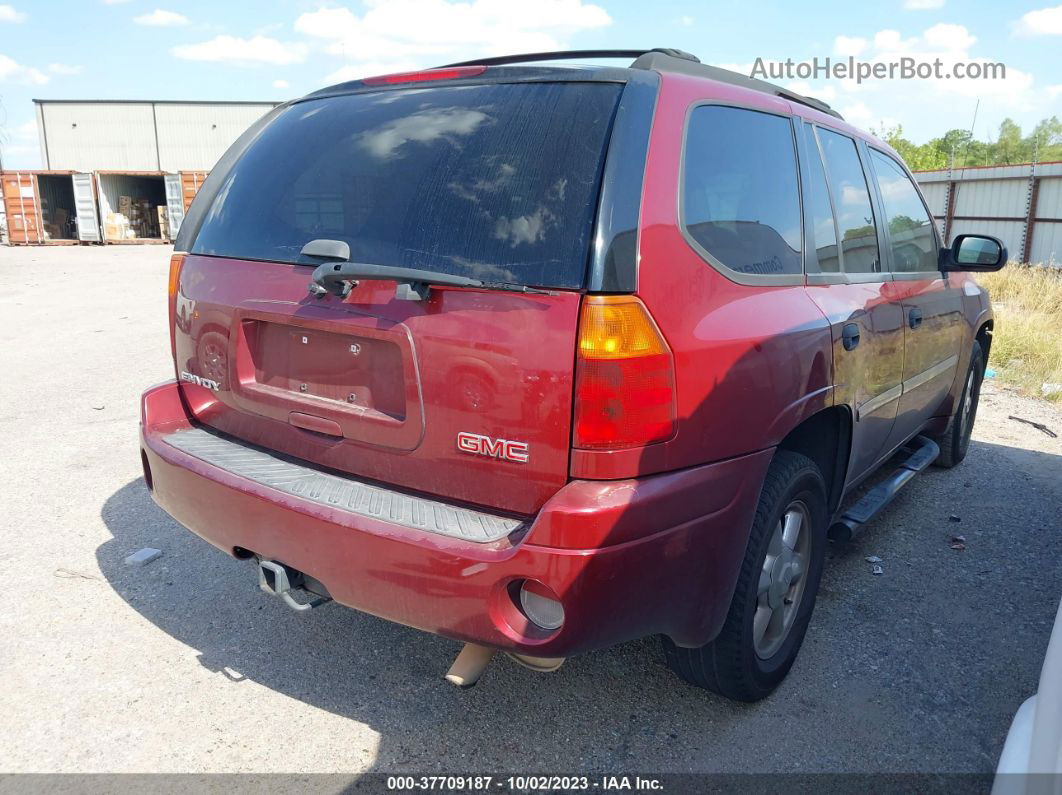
<point>628,558</point>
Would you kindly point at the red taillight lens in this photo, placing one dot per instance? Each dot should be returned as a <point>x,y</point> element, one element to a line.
<point>176,261</point>
<point>624,376</point>
<point>429,74</point>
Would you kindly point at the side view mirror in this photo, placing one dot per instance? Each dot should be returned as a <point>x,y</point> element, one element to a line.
<point>974,253</point>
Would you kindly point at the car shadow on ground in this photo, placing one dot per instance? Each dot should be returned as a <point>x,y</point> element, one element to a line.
<point>388,676</point>
<point>621,709</point>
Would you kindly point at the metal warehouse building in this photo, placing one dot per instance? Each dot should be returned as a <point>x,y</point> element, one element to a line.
<point>118,171</point>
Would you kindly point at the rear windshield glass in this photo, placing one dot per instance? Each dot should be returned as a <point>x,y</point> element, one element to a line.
<point>497,182</point>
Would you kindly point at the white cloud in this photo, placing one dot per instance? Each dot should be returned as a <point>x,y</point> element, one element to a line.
<point>9,14</point>
<point>12,72</point>
<point>825,93</point>
<point>860,115</point>
<point>686,22</point>
<point>384,141</point>
<point>891,41</point>
<point>408,34</point>
<point>64,69</point>
<point>922,5</point>
<point>949,38</point>
<point>160,18</point>
<point>928,107</point>
<point>27,131</point>
<point>849,45</point>
<point>243,52</point>
<point>1044,22</point>
<point>281,84</point>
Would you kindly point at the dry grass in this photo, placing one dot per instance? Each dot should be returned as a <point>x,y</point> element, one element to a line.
<point>1027,340</point>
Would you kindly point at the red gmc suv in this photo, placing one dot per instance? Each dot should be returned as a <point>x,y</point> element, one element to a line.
<point>546,358</point>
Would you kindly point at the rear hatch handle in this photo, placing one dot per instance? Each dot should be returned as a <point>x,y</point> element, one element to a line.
<point>339,277</point>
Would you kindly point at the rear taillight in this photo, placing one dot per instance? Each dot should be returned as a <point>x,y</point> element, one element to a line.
<point>624,376</point>
<point>452,73</point>
<point>176,261</point>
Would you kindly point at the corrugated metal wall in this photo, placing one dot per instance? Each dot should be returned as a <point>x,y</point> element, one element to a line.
<point>194,137</point>
<point>1020,204</point>
<point>92,136</point>
<point>936,194</point>
<point>141,136</point>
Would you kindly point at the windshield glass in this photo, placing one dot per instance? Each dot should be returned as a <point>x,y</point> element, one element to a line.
<point>492,181</point>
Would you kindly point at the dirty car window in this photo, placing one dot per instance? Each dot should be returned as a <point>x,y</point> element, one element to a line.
<point>496,181</point>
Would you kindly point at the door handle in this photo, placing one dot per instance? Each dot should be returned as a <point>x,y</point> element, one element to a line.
<point>914,317</point>
<point>850,336</point>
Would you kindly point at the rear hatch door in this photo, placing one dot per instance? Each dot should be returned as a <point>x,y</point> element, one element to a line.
<point>466,394</point>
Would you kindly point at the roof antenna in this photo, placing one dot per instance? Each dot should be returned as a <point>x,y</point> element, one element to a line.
<point>966,154</point>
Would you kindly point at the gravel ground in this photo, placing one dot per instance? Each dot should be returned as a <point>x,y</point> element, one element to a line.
<point>184,666</point>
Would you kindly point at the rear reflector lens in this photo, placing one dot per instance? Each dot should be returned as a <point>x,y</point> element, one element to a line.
<point>624,376</point>
<point>541,605</point>
<point>175,274</point>
<point>429,74</point>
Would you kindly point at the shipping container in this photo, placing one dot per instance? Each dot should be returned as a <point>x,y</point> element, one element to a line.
<point>191,182</point>
<point>49,207</point>
<point>140,206</point>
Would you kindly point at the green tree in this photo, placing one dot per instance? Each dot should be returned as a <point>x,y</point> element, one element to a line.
<point>959,149</point>
<point>1045,141</point>
<point>1009,146</point>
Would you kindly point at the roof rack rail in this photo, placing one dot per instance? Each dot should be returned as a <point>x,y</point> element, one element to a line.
<point>567,55</point>
<point>662,59</point>
<point>663,62</point>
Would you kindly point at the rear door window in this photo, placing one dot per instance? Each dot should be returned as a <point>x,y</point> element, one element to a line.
<point>820,207</point>
<point>911,238</point>
<point>491,181</point>
<point>740,195</point>
<point>851,203</point>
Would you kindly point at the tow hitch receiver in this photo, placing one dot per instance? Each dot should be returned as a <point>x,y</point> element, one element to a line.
<point>280,580</point>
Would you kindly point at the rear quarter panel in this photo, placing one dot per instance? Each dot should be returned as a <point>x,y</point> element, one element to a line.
<point>751,362</point>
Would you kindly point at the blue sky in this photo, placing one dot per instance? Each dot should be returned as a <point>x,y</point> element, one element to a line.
<point>166,49</point>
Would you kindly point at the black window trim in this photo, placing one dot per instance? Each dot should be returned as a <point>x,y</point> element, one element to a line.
<point>903,275</point>
<point>748,279</point>
<point>613,265</point>
<point>843,276</point>
<point>809,149</point>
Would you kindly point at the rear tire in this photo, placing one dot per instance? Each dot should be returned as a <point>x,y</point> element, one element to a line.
<point>771,607</point>
<point>955,442</point>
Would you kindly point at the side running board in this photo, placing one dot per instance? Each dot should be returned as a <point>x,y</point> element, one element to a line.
<point>924,453</point>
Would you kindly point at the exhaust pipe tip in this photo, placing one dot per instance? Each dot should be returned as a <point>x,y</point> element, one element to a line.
<point>544,665</point>
<point>469,665</point>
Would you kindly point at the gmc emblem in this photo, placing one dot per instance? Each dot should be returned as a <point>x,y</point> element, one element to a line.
<point>504,449</point>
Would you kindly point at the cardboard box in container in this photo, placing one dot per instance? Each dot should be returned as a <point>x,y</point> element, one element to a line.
<point>116,227</point>
<point>164,222</point>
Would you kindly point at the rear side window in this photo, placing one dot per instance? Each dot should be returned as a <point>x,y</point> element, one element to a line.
<point>851,203</point>
<point>740,196</point>
<point>493,181</point>
<point>911,238</point>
